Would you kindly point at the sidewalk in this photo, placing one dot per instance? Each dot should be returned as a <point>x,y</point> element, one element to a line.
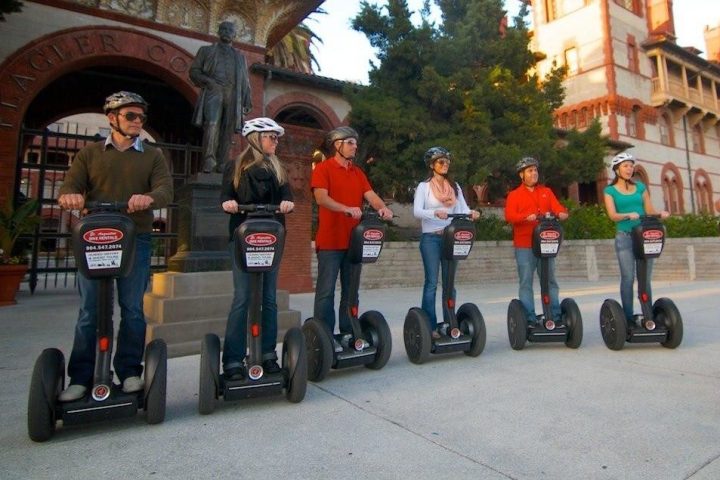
<point>549,412</point>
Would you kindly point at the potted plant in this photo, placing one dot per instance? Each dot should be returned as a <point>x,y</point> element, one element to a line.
<point>13,263</point>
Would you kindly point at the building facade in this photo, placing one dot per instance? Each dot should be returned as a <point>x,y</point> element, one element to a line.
<point>60,58</point>
<point>653,97</point>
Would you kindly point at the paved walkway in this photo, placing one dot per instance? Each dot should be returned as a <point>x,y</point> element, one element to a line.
<point>546,412</point>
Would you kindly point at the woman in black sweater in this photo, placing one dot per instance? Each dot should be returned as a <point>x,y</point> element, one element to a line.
<point>255,177</point>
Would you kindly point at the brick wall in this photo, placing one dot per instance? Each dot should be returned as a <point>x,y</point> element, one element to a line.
<point>683,258</point>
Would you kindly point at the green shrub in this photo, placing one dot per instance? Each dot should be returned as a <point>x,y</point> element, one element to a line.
<point>490,227</point>
<point>691,225</point>
<point>587,222</point>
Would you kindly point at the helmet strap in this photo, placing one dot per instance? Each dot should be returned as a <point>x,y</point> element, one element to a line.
<point>339,152</point>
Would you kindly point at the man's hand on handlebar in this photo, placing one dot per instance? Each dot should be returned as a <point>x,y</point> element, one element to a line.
<point>563,215</point>
<point>354,212</point>
<point>139,202</point>
<point>71,201</point>
<point>385,213</point>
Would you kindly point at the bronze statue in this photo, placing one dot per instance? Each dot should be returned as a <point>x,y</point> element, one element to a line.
<point>221,73</point>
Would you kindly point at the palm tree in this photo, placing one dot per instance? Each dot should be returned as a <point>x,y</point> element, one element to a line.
<point>293,51</point>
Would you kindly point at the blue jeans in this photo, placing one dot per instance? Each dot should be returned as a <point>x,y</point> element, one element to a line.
<point>527,265</point>
<point>330,263</point>
<point>626,260</point>
<point>235,347</point>
<point>131,335</point>
<point>431,252</point>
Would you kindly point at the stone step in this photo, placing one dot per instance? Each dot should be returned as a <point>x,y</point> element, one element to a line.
<point>183,338</point>
<point>178,284</point>
<point>196,307</point>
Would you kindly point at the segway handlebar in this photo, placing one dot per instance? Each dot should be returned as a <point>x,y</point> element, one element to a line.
<point>97,205</point>
<point>259,207</point>
<point>459,215</point>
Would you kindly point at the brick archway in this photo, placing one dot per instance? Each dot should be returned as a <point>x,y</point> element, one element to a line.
<point>323,112</point>
<point>32,68</point>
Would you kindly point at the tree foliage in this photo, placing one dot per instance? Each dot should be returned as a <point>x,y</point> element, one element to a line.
<point>468,85</point>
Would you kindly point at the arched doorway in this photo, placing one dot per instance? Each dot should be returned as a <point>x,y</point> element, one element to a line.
<point>71,72</point>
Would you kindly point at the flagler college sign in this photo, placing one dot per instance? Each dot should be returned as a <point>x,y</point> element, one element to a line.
<point>24,74</point>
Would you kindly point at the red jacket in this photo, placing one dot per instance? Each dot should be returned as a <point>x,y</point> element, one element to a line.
<point>523,202</point>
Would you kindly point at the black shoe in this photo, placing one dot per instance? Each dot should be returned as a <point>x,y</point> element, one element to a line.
<point>271,366</point>
<point>235,373</point>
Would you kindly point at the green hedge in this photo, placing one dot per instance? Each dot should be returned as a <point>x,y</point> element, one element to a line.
<point>590,222</point>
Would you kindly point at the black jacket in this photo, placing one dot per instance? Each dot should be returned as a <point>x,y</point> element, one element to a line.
<point>258,184</point>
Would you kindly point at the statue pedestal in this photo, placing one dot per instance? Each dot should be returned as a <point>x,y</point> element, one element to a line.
<point>202,227</point>
<point>183,307</point>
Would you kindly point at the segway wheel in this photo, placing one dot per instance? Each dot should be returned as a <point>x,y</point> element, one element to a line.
<point>416,333</point>
<point>319,349</point>
<point>375,330</point>
<point>209,374</point>
<point>155,381</point>
<point>47,382</point>
<point>517,324</point>
<point>573,320</point>
<point>665,311</point>
<point>294,359</point>
<point>612,324</point>
<point>472,323</point>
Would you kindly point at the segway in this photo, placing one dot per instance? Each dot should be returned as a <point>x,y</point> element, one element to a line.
<point>104,248</point>
<point>658,323</point>
<point>463,331</point>
<point>259,244</point>
<point>369,343</point>
<point>547,238</point>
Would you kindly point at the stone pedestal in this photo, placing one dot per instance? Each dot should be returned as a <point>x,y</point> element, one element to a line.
<point>183,307</point>
<point>202,227</point>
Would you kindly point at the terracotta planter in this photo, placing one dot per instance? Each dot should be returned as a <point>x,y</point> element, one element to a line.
<point>10,278</point>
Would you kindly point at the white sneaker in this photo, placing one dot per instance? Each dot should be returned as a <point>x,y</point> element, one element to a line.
<point>132,384</point>
<point>73,392</point>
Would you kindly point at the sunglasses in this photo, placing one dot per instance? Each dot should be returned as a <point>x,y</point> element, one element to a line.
<point>273,137</point>
<point>132,116</point>
<point>350,141</point>
<point>443,161</point>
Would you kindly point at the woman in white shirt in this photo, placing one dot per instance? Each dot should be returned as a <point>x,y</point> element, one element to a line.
<point>436,197</point>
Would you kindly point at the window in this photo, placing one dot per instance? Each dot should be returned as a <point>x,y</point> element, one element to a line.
<point>703,192</point>
<point>632,5</point>
<point>632,124</point>
<point>664,130</point>
<point>672,189</point>
<point>557,8</point>
<point>571,60</point>
<point>697,140</point>
<point>632,53</point>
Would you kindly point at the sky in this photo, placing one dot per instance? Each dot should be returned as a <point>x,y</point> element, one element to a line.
<point>345,54</point>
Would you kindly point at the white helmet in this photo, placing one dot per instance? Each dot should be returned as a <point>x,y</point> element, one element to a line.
<point>620,158</point>
<point>262,124</point>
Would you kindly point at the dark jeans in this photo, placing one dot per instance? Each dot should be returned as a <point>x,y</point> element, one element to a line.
<point>235,347</point>
<point>626,260</point>
<point>131,335</point>
<point>431,252</point>
<point>527,265</point>
<point>330,263</point>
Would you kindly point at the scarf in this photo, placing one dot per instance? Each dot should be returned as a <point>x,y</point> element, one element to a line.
<point>443,192</point>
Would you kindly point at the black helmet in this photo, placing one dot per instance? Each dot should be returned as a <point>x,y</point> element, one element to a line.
<point>340,133</point>
<point>434,153</point>
<point>525,163</point>
<point>124,99</point>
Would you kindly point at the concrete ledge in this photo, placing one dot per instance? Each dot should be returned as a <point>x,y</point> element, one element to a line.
<point>183,307</point>
<point>400,264</point>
